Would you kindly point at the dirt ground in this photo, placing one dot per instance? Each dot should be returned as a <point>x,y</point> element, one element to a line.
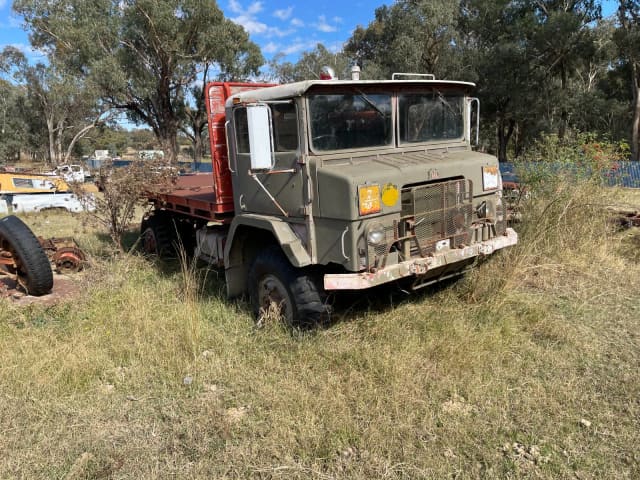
<point>64,288</point>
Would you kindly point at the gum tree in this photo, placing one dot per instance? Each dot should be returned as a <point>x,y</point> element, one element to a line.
<point>142,55</point>
<point>65,106</point>
<point>627,38</point>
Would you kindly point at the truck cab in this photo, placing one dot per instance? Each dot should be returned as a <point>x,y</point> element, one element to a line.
<point>348,184</point>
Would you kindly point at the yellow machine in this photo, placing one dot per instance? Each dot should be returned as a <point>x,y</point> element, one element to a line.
<point>17,183</point>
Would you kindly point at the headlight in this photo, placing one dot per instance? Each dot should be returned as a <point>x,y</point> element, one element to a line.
<point>369,199</point>
<point>490,177</point>
<point>376,234</point>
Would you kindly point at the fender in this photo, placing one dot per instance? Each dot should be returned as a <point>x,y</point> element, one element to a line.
<point>261,229</point>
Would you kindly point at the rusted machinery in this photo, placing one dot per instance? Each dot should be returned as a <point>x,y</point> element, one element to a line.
<point>64,254</point>
<point>22,258</point>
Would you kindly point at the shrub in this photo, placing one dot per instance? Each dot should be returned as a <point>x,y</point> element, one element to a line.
<point>125,188</point>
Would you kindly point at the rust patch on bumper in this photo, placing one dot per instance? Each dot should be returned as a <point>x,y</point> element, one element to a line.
<point>420,266</point>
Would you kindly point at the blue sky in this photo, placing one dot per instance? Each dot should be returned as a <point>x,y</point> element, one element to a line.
<point>287,26</point>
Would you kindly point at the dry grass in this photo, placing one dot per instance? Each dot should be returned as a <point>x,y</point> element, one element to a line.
<point>525,369</point>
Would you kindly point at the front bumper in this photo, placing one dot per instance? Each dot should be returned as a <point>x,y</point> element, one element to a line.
<point>419,266</point>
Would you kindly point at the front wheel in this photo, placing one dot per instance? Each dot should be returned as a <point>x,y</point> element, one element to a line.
<point>277,288</point>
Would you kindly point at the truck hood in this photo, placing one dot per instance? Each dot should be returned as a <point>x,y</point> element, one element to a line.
<point>338,178</point>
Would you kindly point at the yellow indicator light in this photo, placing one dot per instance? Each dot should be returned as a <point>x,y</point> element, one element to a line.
<point>369,199</point>
<point>390,195</point>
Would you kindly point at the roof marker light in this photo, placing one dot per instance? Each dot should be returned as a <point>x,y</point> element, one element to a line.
<point>327,73</point>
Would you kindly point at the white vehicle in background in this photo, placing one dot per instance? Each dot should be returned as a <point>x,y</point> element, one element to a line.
<point>28,192</point>
<point>47,201</point>
<point>71,173</point>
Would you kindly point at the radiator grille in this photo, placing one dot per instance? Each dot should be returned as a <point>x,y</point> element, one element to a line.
<point>436,212</point>
<point>430,213</point>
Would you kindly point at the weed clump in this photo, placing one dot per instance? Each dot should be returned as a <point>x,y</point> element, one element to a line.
<point>564,227</point>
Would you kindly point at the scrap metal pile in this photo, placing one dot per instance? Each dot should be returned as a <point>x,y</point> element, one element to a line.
<point>26,261</point>
<point>64,253</point>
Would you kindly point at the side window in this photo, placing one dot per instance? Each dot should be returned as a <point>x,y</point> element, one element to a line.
<point>285,128</point>
<point>23,183</point>
<point>242,130</point>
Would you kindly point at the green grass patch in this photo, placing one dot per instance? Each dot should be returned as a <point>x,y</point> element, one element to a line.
<point>526,368</point>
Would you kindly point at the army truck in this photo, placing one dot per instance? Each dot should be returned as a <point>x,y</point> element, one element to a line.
<point>329,185</point>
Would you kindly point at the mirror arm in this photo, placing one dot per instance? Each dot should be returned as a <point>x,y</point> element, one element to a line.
<point>275,202</point>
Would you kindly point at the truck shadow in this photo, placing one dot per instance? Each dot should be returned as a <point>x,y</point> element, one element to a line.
<point>378,300</point>
<point>345,306</point>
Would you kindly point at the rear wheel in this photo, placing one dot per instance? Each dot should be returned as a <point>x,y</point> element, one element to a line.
<point>22,255</point>
<point>276,288</point>
<point>158,235</point>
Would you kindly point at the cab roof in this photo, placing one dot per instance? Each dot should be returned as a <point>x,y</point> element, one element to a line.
<point>297,89</point>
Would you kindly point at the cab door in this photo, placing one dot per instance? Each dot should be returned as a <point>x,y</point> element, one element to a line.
<point>273,187</point>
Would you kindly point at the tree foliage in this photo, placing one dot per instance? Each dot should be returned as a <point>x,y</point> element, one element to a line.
<point>13,128</point>
<point>627,38</point>
<point>309,65</point>
<point>540,65</point>
<point>409,36</point>
<point>142,54</point>
<point>123,190</point>
<point>59,106</point>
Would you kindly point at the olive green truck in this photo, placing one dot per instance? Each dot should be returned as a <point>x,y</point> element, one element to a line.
<point>328,185</point>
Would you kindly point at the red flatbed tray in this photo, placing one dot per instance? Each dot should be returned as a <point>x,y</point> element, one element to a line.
<point>194,195</point>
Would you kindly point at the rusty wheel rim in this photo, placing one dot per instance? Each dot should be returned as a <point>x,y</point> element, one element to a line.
<point>273,297</point>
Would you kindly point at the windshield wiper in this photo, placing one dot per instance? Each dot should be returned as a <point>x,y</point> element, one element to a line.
<point>370,102</point>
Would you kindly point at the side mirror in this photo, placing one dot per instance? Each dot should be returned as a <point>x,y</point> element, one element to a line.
<point>260,137</point>
<point>474,137</point>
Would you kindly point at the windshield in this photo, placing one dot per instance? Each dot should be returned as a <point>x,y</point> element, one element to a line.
<point>350,120</point>
<point>430,116</point>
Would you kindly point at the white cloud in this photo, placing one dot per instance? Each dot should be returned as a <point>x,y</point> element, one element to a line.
<point>299,46</point>
<point>247,18</point>
<point>255,7</point>
<point>251,25</point>
<point>335,47</point>
<point>235,6</point>
<point>296,22</point>
<point>338,20</point>
<point>276,32</point>
<point>15,22</point>
<point>284,13</point>
<point>270,47</point>
<point>323,26</point>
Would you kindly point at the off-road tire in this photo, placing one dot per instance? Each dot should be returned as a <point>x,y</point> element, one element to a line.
<point>301,291</point>
<point>34,269</point>
<point>158,236</point>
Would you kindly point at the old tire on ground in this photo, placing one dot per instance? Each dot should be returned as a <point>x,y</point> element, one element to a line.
<point>32,264</point>
<point>274,283</point>
<point>158,236</point>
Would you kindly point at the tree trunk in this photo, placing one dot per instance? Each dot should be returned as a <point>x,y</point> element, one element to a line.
<point>505,131</point>
<point>564,116</point>
<point>52,141</point>
<point>59,137</point>
<point>197,148</point>
<point>169,144</point>
<point>635,124</point>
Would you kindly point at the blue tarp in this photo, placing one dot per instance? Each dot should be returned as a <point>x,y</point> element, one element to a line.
<point>95,164</point>
<point>623,174</point>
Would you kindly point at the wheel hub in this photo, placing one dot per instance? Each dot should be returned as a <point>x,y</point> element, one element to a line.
<point>273,297</point>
